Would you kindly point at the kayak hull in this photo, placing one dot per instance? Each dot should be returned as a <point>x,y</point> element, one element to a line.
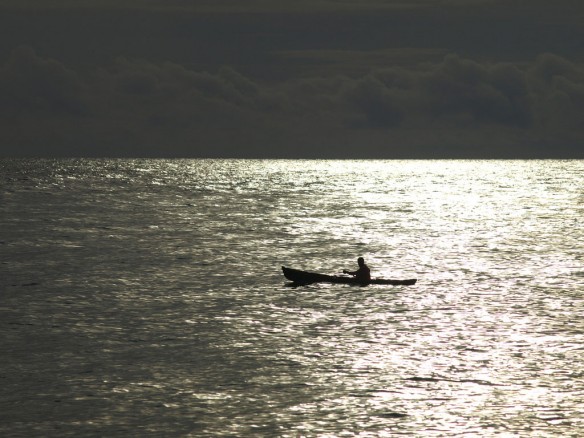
<point>303,277</point>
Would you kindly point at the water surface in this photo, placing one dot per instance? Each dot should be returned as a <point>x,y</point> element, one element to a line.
<point>145,297</point>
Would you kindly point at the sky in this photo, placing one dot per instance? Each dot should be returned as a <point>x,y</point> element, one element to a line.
<point>292,79</point>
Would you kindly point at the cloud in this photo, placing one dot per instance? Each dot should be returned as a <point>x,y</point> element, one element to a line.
<point>29,83</point>
<point>375,101</point>
<point>483,92</point>
<point>557,90</point>
<point>235,6</point>
<point>134,107</point>
<point>172,81</point>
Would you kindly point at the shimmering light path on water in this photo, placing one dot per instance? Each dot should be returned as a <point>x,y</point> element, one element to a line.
<point>145,298</point>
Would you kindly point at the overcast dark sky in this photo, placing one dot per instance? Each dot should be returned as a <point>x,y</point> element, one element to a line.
<point>292,78</point>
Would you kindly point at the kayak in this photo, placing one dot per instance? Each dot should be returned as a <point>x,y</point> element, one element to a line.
<point>304,277</point>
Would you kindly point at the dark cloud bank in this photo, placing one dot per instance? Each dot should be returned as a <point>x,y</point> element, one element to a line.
<point>444,105</point>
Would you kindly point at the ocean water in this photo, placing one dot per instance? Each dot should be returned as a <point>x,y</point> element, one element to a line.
<point>145,298</point>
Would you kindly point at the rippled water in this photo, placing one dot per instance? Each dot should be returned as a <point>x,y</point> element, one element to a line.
<point>145,298</point>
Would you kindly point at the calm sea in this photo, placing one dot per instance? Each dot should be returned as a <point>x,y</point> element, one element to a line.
<point>145,298</point>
